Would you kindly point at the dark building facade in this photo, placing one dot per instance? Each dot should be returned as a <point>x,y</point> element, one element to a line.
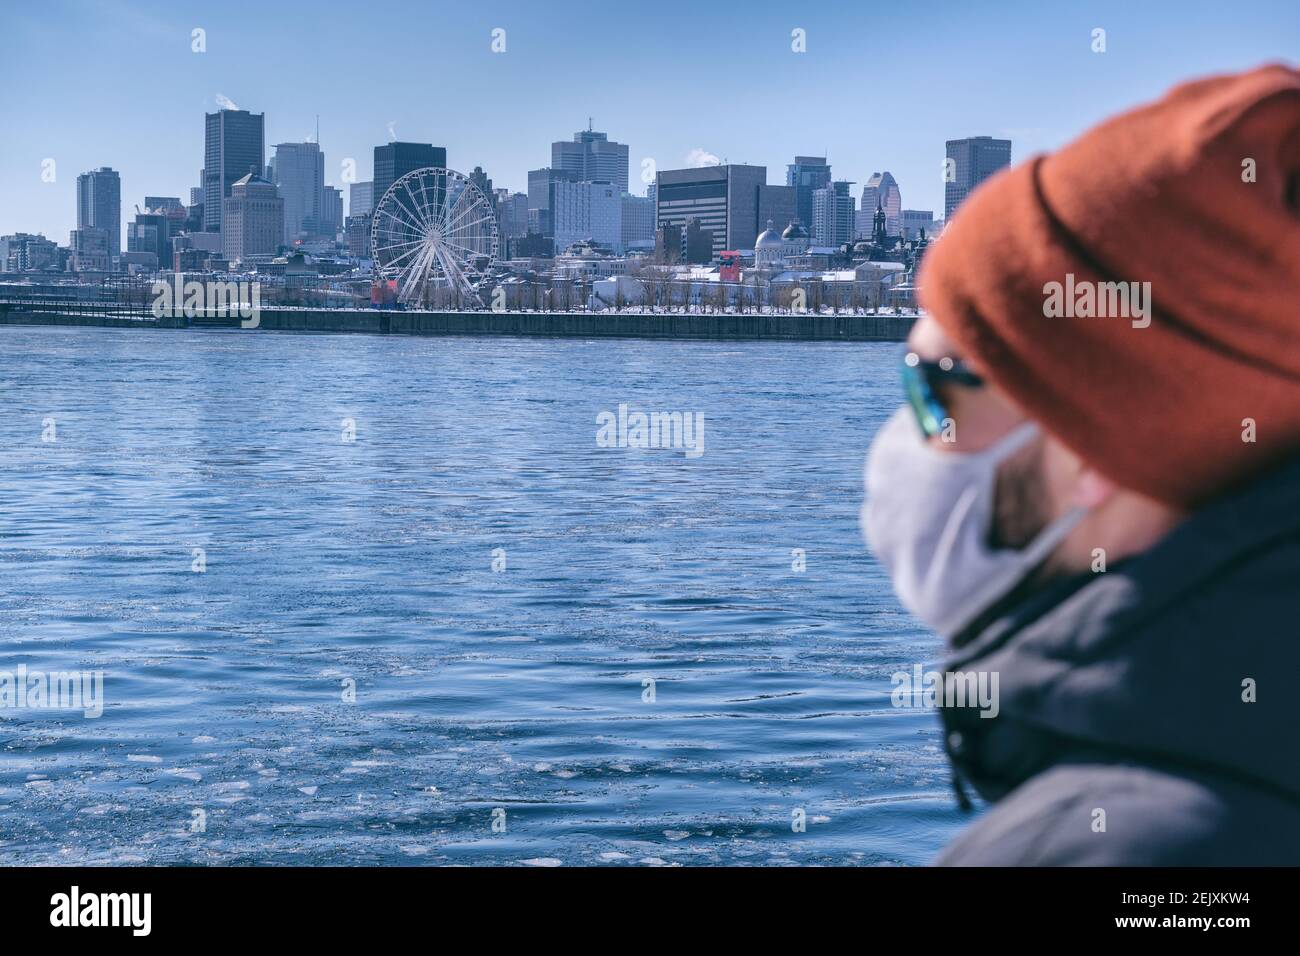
<point>971,161</point>
<point>779,204</point>
<point>151,232</point>
<point>395,160</point>
<point>805,175</point>
<point>725,199</point>
<point>235,142</point>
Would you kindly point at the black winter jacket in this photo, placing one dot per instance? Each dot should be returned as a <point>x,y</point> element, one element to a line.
<point>1129,692</point>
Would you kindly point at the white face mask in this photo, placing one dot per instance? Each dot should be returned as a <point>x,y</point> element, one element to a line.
<point>927,518</point>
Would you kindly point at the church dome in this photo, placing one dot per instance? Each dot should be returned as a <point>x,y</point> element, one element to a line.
<point>794,231</point>
<point>769,238</point>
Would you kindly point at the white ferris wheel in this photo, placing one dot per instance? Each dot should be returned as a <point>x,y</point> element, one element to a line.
<point>434,234</point>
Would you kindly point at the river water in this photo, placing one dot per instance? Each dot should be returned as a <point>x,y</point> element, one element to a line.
<point>363,599</point>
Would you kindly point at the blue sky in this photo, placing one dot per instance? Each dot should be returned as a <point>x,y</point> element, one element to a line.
<point>95,83</point>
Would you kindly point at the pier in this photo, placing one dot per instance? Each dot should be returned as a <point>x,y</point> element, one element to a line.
<point>845,327</point>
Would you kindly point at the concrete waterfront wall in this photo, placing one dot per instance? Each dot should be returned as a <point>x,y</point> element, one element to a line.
<point>812,328</point>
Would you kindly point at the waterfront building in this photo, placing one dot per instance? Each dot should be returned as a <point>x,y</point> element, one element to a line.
<point>880,191</point>
<point>99,205</point>
<point>772,248</point>
<point>971,161</point>
<point>833,214</point>
<point>298,171</point>
<point>592,157</point>
<point>27,252</point>
<point>233,143</point>
<point>252,219</point>
<point>395,160</point>
<point>805,176</point>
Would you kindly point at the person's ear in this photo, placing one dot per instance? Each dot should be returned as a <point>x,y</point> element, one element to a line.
<point>1091,488</point>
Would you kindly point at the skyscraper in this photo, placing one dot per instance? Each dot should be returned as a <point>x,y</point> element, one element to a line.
<point>512,213</point>
<point>99,205</point>
<point>331,212</point>
<point>638,226</point>
<point>593,157</point>
<point>583,210</point>
<point>970,162</point>
<point>361,198</point>
<point>234,141</point>
<point>725,199</point>
<point>252,219</point>
<point>806,174</point>
<point>833,220</point>
<point>395,160</point>
<point>541,197</point>
<point>298,171</point>
<point>482,181</point>
<point>881,190</point>
<point>777,203</point>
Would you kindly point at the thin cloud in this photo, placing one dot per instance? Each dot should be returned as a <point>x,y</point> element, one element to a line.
<point>701,157</point>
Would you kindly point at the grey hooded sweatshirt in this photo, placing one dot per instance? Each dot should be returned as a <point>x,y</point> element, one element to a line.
<point>1147,714</point>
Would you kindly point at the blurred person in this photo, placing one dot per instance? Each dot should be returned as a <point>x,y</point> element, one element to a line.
<point>1097,498</point>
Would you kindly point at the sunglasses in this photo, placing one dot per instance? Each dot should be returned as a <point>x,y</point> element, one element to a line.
<point>923,384</point>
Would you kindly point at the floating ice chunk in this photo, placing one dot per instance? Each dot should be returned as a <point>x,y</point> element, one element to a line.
<point>543,861</point>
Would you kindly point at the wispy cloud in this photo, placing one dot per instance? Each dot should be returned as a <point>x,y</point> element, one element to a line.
<point>701,157</point>
<point>225,102</point>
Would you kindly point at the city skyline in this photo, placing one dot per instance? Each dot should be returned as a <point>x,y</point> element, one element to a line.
<point>508,126</point>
